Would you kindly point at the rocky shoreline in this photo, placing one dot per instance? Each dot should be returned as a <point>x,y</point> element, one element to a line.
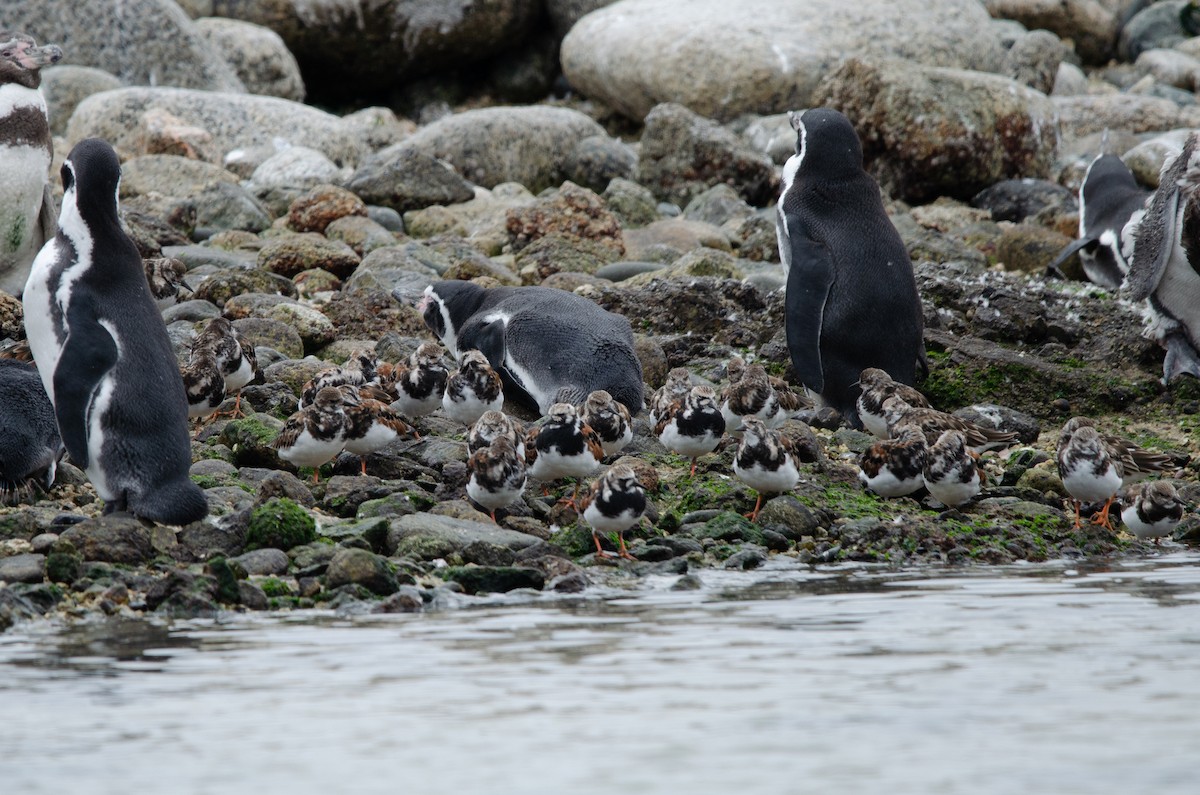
<point>668,220</point>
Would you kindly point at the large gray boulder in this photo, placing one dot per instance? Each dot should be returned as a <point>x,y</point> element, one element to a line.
<point>142,42</point>
<point>233,120</point>
<point>64,87</point>
<point>257,54</point>
<point>930,132</point>
<point>722,58</point>
<point>1088,23</point>
<point>529,145</point>
<point>367,48</point>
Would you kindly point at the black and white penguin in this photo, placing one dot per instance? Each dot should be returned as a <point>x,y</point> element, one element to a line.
<point>852,299</point>
<point>29,443</point>
<point>549,346</point>
<point>1111,204</point>
<point>103,353</point>
<point>27,214</point>
<point>1166,255</point>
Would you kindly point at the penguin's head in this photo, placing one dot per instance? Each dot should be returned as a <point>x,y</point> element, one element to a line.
<point>826,144</point>
<point>445,307</point>
<point>91,176</point>
<point>1103,174</point>
<point>21,60</point>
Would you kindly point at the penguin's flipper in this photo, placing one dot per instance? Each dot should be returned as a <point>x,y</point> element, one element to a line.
<point>88,353</point>
<point>1181,358</point>
<point>47,216</point>
<point>1055,268</point>
<point>809,279</point>
<point>1158,232</point>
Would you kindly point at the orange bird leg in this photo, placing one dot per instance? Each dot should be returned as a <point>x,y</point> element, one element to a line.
<point>753,515</point>
<point>316,474</point>
<point>1078,520</point>
<point>493,514</point>
<point>1103,518</point>
<point>622,551</point>
<point>693,472</point>
<point>600,553</point>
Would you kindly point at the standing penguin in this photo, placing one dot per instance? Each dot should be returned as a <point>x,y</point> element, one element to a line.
<point>27,217</point>
<point>1111,204</point>
<point>852,300</point>
<point>103,354</point>
<point>1166,254</point>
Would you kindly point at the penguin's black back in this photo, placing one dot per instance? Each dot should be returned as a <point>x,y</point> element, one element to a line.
<point>29,440</point>
<point>873,313</point>
<point>1110,195</point>
<point>147,449</point>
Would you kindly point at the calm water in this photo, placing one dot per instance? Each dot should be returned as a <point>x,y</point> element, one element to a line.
<point>1033,680</point>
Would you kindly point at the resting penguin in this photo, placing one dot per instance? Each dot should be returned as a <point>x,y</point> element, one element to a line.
<point>851,299</point>
<point>27,215</point>
<point>1166,256</point>
<point>549,346</point>
<point>29,443</point>
<point>103,354</point>
<point>1111,204</point>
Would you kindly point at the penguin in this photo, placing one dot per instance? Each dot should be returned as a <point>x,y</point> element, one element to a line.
<point>1111,204</point>
<point>549,346</point>
<point>1166,254</point>
<point>103,354</point>
<point>30,448</point>
<point>851,297</point>
<point>27,213</point>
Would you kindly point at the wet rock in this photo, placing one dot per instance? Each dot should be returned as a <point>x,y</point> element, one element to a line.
<point>408,179</point>
<point>1018,199</point>
<point>790,517</point>
<point>288,255</point>
<point>750,556</point>
<point>400,504</point>
<point>267,560</point>
<point>493,579</point>
<point>757,56</point>
<point>235,121</point>
<point>182,594</point>
<point>1088,23</point>
<point>597,160</point>
<point>538,142</point>
<point>426,536</point>
<point>257,54</point>
<point>974,130</point>
<point>281,524</point>
<point>63,563</point>
<point>572,211</point>
<point>115,538</point>
<point>25,567</point>
<point>683,154</point>
<point>406,600</point>
<point>344,494</point>
<point>1034,58</point>
<point>202,540</point>
<point>361,567</point>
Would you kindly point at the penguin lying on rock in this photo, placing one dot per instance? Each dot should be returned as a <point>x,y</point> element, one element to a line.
<point>852,298</point>
<point>549,346</point>
<point>29,443</point>
<point>103,354</point>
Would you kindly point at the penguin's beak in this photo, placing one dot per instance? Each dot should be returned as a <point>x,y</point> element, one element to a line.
<point>32,57</point>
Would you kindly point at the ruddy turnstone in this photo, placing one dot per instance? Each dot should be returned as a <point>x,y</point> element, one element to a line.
<point>877,386</point>
<point>617,502</point>
<point>934,423</point>
<point>1089,467</point>
<point>490,426</point>
<point>165,275</point>
<point>316,433</point>
<point>497,475</point>
<point>952,474</point>
<point>203,383</point>
<point>694,426</point>
<point>609,419</point>
<point>676,388</point>
<point>358,371</point>
<point>370,424</point>
<point>562,447</point>
<point>751,396</point>
<point>420,385</point>
<point>765,461</point>
<point>1152,510</point>
<point>895,467</point>
<point>472,389</point>
<point>234,354</point>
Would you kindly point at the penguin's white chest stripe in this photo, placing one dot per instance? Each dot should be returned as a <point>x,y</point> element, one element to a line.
<point>14,96</point>
<point>96,412</point>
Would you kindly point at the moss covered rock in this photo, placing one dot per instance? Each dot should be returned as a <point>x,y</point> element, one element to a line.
<point>281,524</point>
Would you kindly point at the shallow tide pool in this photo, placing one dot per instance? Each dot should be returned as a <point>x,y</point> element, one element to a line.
<point>1049,679</point>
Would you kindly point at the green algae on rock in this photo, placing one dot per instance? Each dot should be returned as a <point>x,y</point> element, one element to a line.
<point>280,523</point>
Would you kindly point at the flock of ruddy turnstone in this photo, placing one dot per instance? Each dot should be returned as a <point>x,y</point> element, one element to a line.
<point>364,405</point>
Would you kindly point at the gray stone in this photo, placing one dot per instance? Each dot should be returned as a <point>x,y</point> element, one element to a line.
<point>1070,81</point>
<point>494,579</point>
<point>378,126</point>
<point>426,536</point>
<point>360,233</point>
<point>170,175</point>
<point>257,54</point>
<point>407,179</point>
<point>202,540</point>
<point>227,205</point>
<point>723,59</point>
<point>212,467</point>
<point>1082,115</point>
<point>190,311</point>
<point>1018,199</point>
<point>263,561</point>
<point>773,135</point>
<point>1147,158</point>
<point>1157,25</point>
<point>314,328</point>
<point>64,87</point>
<point>683,154</point>
<point>1171,67</point>
<point>929,132</point>
<point>717,205</point>
<point>299,167</point>
<point>598,159</point>
<point>565,13</point>
<point>620,271</point>
<point>273,334</point>
<point>633,204</point>
<point>537,143</point>
<point>1002,418</point>
<point>115,538</point>
<point>406,600</point>
<point>142,42</point>
<point>1088,23</point>
<point>251,596</point>
<point>235,121</point>
<point>361,567</point>
<point>388,269</point>
<point>1034,58</point>
<point>26,567</point>
<point>790,517</point>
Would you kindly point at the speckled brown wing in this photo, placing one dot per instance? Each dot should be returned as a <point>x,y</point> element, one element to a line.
<point>292,428</point>
<point>668,413</point>
<point>531,439</point>
<point>18,350</point>
<point>790,400</point>
<point>592,440</point>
